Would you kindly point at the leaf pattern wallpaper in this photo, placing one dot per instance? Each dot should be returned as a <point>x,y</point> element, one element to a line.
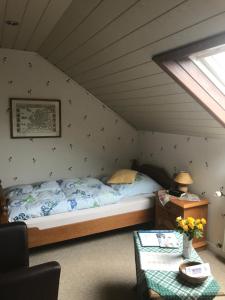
<point>203,157</point>
<point>95,140</point>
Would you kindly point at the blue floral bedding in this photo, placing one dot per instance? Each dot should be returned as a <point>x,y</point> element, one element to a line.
<point>53,197</point>
<point>88,192</point>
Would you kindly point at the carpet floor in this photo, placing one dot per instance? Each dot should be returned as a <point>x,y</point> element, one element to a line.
<point>102,267</point>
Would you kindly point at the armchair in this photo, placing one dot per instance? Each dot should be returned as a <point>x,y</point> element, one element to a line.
<point>18,281</point>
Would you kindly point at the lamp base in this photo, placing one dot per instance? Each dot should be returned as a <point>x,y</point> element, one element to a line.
<point>183,188</point>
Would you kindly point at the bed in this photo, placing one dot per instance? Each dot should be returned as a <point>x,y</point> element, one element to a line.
<point>132,210</point>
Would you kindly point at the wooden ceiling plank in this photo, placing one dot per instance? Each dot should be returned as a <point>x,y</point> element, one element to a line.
<point>158,85</point>
<point>140,16</point>
<point>139,83</point>
<point>185,107</point>
<point>31,17</point>
<point>205,134</point>
<point>48,20</point>
<point>135,117</point>
<point>73,17</point>
<point>179,122</point>
<point>143,124</point>
<point>145,97</point>
<point>185,15</point>
<point>190,133</point>
<point>146,68</point>
<point>159,127</point>
<point>183,127</point>
<point>126,63</point>
<point>148,104</point>
<point>105,14</point>
<point>116,83</point>
<point>3,8</point>
<point>171,114</point>
<point>180,98</point>
<point>152,91</point>
<point>14,12</point>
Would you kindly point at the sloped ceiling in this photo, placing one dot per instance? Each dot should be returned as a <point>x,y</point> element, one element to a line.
<point>107,45</point>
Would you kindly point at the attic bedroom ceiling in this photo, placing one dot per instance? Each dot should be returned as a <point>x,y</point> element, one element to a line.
<point>107,46</point>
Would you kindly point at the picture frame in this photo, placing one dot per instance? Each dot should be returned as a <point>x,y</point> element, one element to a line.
<point>35,118</point>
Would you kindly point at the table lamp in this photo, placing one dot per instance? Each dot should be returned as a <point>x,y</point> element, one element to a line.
<point>183,179</point>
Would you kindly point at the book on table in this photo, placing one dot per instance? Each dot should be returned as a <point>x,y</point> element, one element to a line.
<point>164,239</point>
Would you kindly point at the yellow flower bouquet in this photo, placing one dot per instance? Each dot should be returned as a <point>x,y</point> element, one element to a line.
<point>191,227</point>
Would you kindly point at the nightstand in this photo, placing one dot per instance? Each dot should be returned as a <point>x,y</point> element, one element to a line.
<point>165,216</point>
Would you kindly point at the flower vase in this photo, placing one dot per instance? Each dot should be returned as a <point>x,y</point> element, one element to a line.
<point>187,246</point>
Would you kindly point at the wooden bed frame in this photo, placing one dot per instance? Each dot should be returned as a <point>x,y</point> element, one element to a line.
<point>37,237</point>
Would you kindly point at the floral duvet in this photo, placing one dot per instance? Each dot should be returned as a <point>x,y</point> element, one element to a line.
<point>53,197</point>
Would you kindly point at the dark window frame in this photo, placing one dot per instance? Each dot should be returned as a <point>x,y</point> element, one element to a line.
<point>184,71</point>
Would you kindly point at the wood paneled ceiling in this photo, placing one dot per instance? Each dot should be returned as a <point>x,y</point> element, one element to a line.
<point>107,46</point>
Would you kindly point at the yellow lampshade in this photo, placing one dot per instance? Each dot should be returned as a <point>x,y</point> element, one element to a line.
<point>183,177</point>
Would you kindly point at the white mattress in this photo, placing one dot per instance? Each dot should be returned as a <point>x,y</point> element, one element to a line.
<point>125,205</point>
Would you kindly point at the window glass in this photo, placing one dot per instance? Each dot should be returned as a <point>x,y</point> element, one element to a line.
<point>212,63</point>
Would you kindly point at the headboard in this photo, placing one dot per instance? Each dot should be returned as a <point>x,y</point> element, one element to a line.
<point>157,173</point>
<point>3,206</point>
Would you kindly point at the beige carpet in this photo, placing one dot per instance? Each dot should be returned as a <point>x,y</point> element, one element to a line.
<point>102,267</point>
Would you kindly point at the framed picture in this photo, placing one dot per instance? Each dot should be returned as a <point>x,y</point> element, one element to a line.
<point>35,118</point>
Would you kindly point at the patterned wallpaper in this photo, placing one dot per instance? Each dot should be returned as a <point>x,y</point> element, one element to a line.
<point>94,141</point>
<point>204,158</point>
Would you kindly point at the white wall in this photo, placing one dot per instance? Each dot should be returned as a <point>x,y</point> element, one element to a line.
<point>204,158</point>
<point>94,141</point>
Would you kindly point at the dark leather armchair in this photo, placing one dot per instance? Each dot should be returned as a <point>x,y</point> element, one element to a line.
<point>18,281</point>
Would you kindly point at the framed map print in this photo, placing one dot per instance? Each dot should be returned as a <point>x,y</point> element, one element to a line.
<point>30,118</point>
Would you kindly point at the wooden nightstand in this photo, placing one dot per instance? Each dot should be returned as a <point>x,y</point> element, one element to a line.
<point>165,216</point>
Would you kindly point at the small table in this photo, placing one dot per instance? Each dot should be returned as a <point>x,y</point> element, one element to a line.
<point>166,215</point>
<point>151,284</point>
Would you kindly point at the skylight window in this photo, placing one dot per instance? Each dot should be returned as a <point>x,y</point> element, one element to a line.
<point>212,63</point>
<point>199,68</point>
